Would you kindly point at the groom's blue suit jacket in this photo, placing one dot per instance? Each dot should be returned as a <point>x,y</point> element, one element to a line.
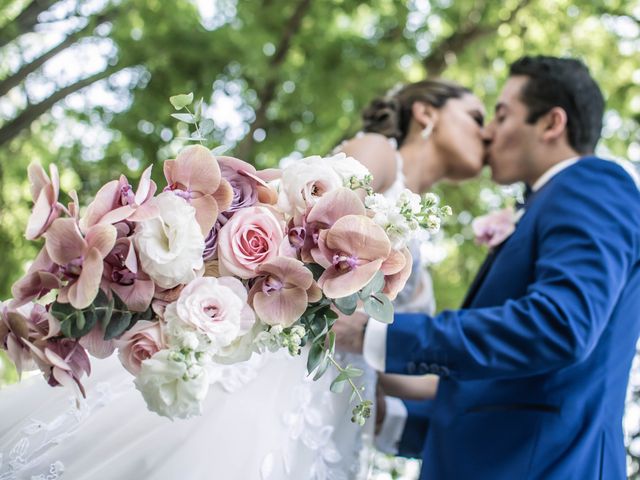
<point>534,372</point>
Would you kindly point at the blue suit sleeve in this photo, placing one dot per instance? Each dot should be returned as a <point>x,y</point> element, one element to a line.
<point>587,240</point>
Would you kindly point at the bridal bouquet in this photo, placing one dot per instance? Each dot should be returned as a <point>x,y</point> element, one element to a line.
<point>223,262</point>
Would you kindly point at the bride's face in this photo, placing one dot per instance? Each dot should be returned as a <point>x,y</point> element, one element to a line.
<point>458,136</point>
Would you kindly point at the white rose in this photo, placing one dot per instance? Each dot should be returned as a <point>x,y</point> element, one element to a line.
<point>216,309</point>
<point>172,386</point>
<point>347,167</point>
<point>303,182</point>
<point>170,245</point>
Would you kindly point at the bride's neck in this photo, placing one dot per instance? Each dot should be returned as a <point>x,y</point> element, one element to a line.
<point>421,168</point>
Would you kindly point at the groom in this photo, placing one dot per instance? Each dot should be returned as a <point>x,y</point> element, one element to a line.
<point>534,369</point>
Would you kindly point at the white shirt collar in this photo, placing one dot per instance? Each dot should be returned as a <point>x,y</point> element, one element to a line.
<point>552,172</point>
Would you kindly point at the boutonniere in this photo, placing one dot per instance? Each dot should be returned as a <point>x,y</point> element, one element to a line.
<point>494,228</point>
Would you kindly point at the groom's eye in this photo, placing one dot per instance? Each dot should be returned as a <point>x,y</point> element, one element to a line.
<point>479,119</point>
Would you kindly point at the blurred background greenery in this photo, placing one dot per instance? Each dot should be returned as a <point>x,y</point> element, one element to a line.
<point>85,84</point>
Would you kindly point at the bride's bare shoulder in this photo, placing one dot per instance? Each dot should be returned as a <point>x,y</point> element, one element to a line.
<point>377,153</point>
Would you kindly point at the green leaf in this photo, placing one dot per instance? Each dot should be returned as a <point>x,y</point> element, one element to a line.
<point>198,109</point>
<point>220,150</point>
<point>374,286</point>
<point>352,372</point>
<point>332,343</point>
<point>316,352</point>
<point>379,307</point>
<point>316,270</point>
<point>207,126</point>
<point>119,323</point>
<point>184,117</point>
<point>338,383</point>
<point>181,101</point>
<point>347,305</point>
<point>80,320</point>
<point>324,364</point>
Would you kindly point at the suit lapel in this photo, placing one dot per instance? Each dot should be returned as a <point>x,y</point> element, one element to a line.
<point>488,262</point>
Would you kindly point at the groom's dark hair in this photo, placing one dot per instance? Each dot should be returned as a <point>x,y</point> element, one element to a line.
<point>565,83</point>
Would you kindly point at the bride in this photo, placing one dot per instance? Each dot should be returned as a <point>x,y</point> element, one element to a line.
<point>263,419</point>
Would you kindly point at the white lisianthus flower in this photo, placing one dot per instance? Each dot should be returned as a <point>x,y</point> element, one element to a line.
<point>303,182</point>
<point>214,309</point>
<point>347,167</point>
<point>170,245</point>
<point>172,386</point>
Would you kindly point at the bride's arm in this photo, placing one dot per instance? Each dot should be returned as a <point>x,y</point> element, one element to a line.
<point>409,387</point>
<point>376,153</point>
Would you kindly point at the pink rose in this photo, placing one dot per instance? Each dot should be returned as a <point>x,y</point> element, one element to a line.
<point>250,238</point>
<point>494,228</point>
<point>138,344</point>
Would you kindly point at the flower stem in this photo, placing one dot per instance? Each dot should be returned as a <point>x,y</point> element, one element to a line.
<point>340,369</point>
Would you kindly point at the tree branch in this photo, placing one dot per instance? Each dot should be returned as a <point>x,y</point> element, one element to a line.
<point>14,79</point>
<point>436,62</point>
<point>268,91</point>
<point>25,21</point>
<point>11,129</point>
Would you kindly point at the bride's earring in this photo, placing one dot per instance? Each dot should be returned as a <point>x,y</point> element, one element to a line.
<point>426,131</point>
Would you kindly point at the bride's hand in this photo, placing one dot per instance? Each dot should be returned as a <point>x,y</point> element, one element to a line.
<point>409,387</point>
<point>349,331</point>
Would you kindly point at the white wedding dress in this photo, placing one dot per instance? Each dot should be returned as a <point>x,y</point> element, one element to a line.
<point>263,419</point>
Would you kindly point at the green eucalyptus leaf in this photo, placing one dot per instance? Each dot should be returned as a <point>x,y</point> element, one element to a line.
<point>185,117</point>
<point>181,101</point>
<point>379,307</point>
<point>219,150</point>
<point>332,343</point>
<point>316,352</point>
<point>119,323</point>
<point>338,383</point>
<point>374,286</point>
<point>352,372</point>
<point>347,305</point>
<point>206,127</point>
<point>322,368</point>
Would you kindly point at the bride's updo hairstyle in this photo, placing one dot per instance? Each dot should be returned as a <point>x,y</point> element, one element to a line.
<point>391,115</point>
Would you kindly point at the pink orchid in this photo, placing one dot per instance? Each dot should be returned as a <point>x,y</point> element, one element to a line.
<point>44,191</point>
<point>397,269</point>
<point>122,273</point>
<point>195,176</point>
<point>324,213</point>
<point>282,291</point>
<point>353,250</point>
<point>116,202</point>
<point>79,258</point>
<point>95,343</point>
<point>494,228</point>
<point>18,326</point>
<point>42,277</point>
<point>62,361</point>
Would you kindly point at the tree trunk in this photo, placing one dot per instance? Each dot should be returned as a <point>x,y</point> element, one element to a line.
<point>25,22</point>
<point>11,129</point>
<point>268,91</point>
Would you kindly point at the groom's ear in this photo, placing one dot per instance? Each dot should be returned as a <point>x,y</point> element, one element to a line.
<point>553,124</point>
<point>424,114</point>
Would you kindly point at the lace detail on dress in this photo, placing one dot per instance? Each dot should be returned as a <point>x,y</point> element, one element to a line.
<point>233,377</point>
<point>36,438</point>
